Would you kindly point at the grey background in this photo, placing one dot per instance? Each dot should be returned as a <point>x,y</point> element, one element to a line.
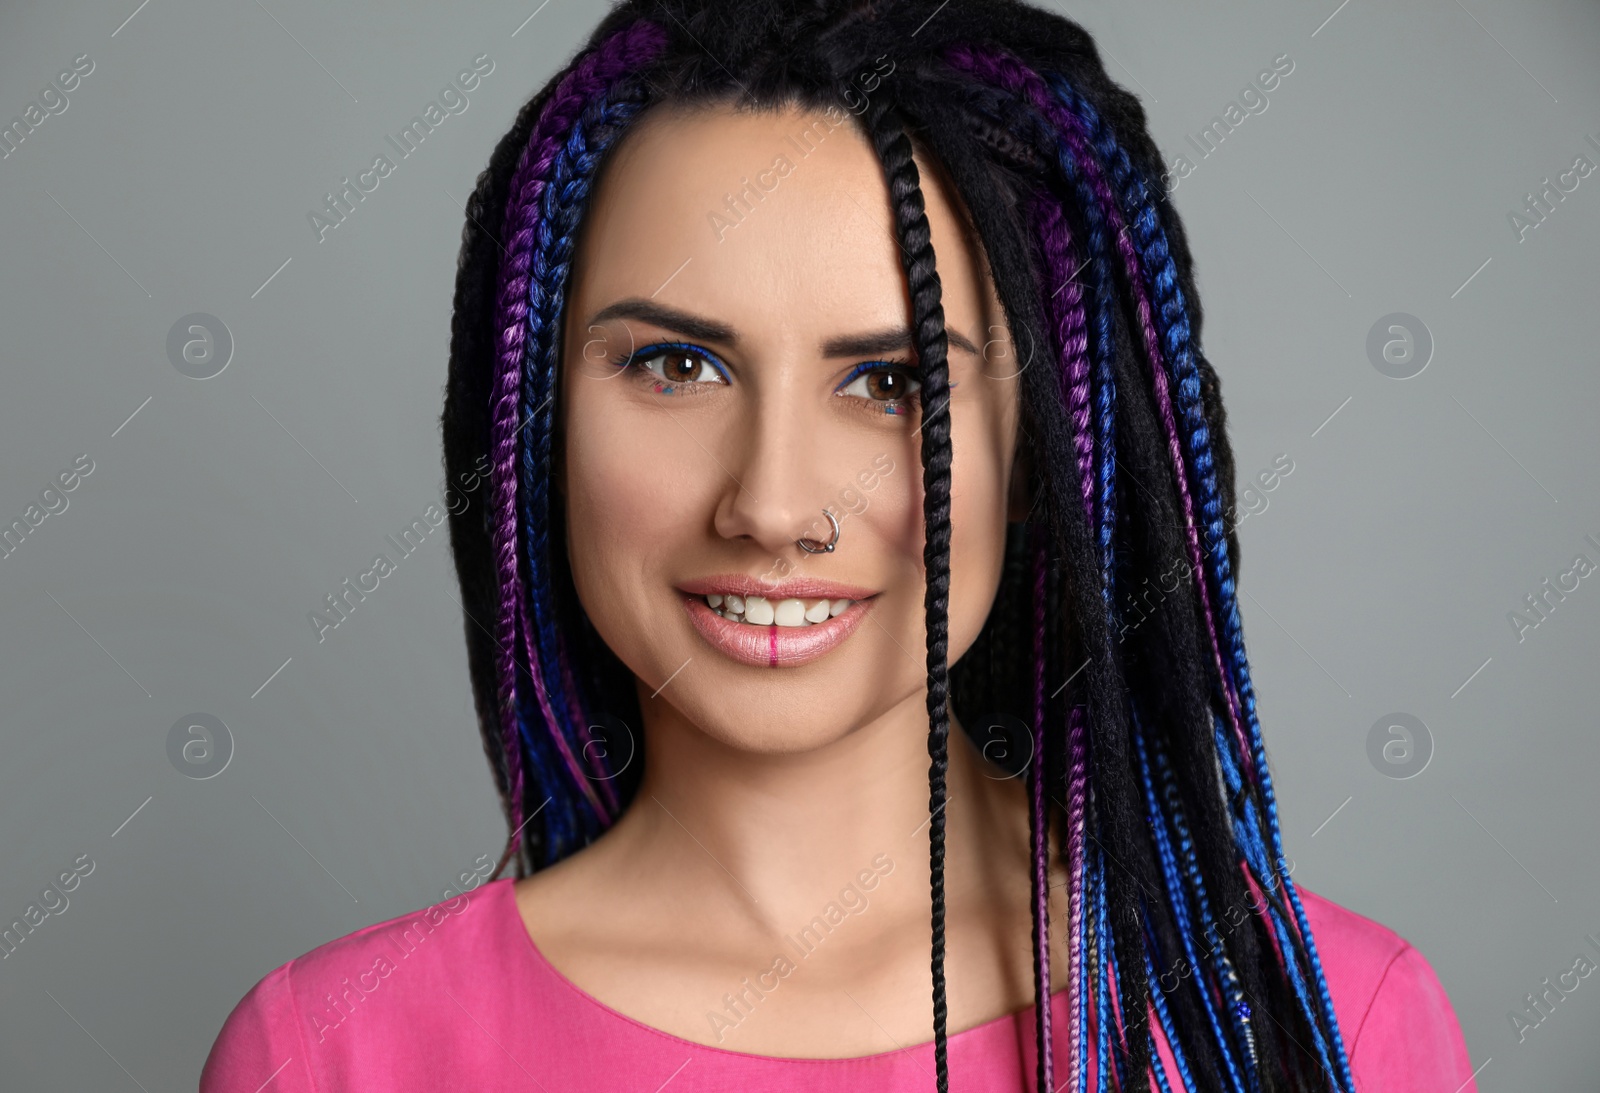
<point>1377,580</point>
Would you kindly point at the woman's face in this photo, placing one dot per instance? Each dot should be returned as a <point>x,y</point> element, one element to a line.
<point>748,265</point>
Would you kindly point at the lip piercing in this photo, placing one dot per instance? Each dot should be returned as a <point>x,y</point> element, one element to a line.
<point>826,548</point>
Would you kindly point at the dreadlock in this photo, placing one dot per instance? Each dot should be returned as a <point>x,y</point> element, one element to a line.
<point>1115,634</point>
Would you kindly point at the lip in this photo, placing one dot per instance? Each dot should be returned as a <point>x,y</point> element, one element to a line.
<point>800,588</point>
<point>774,646</point>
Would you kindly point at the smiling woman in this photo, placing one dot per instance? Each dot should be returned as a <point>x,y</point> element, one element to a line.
<point>673,421</point>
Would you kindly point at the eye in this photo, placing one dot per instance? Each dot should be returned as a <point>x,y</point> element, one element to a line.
<point>888,383</point>
<point>676,366</point>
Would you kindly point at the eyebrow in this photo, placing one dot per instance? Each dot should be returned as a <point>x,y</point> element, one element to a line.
<point>696,326</point>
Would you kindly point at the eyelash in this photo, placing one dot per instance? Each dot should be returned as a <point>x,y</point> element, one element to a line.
<point>635,362</point>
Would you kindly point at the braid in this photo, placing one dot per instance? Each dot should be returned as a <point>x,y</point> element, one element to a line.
<point>1041,832</point>
<point>465,417</point>
<point>585,79</point>
<point>893,147</point>
<point>1179,350</point>
<point>1071,333</point>
<point>562,204</point>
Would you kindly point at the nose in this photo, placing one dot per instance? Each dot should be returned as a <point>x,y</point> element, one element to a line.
<point>776,490</point>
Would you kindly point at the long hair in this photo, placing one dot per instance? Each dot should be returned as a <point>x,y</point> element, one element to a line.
<point>1116,633</point>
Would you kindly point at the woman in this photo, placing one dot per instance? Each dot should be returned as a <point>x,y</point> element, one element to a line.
<point>782,506</point>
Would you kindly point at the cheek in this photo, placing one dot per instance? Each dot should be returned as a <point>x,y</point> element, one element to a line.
<point>624,509</point>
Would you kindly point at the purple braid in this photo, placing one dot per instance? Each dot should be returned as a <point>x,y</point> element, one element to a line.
<point>1067,312</point>
<point>596,764</point>
<point>1072,332</point>
<point>544,705</point>
<point>1041,828</point>
<point>1077,815</point>
<point>615,57</point>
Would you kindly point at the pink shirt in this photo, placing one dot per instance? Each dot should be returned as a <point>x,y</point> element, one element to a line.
<point>458,997</point>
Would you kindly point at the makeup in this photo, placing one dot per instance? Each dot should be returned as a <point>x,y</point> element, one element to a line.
<point>772,645</point>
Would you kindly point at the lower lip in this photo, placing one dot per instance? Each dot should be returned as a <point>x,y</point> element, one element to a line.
<point>774,646</point>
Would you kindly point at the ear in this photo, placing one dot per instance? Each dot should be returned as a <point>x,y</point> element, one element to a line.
<point>1020,497</point>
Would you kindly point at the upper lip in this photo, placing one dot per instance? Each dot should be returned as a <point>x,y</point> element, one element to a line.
<point>799,588</point>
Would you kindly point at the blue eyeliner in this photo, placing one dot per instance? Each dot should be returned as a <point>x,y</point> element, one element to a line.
<point>655,347</point>
<point>892,408</point>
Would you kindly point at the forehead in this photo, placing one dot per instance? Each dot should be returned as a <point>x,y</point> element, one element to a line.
<point>776,221</point>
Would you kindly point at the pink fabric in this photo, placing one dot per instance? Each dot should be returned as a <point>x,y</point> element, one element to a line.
<point>458,997</point>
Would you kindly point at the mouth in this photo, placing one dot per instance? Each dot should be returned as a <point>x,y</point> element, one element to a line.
<point>775,625</point>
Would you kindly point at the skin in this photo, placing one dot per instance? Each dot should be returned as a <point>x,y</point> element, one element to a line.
<point>768,791</point>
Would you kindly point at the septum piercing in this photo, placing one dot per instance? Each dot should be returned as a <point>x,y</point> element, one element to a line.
<point>804,544</point>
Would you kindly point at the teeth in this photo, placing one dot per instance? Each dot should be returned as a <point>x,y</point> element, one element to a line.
<point>760,611</point>
<point>789,613</point>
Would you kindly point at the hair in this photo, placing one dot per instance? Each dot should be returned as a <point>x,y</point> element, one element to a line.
<point>1115,634</point>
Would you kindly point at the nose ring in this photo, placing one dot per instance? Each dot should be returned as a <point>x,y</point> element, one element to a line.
<point>826,548</point>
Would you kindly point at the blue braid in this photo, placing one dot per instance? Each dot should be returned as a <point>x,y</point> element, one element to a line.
<point>562,206</point>
<point>556,816</point>
<point>1227,978</point>
<point>1105,473</point>
<point>1102,944</point>
<point>1173,326</point>
<point>1249,836</point>
<point>1185,925</point>
<point>1159,1001</point>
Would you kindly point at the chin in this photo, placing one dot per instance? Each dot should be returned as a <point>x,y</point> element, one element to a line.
<point>783,716</point>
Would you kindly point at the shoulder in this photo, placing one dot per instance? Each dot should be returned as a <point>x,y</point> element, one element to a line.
<point>306,1023</point>
<point>1399,1028</point>
<point>259,1042</point>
